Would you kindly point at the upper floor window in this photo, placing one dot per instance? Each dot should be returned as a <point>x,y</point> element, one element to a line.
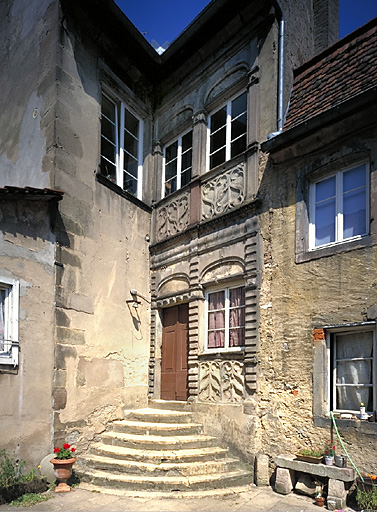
<point>121,146</point>
<point>9,298</point>
<point>225,318</point>
<point>177,164</point>
<point>227,131</point>
<point>339,207</point>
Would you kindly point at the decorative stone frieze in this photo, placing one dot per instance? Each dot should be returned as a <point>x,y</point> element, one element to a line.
<point>173,217</point>
<point>221,381</point>
<point>224,192</point>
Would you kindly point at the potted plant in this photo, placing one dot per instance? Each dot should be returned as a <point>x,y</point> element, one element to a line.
<point>63,462</point>
<point>313,456</point>
<point>366,493</point>
<point>319,499</point>
<point>329,452</point>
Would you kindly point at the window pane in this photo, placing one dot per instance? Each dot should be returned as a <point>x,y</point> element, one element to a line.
<point>187,141</point>
<point>130,184</point>
<point>354,213</point>
<point>325,222</point>
<point>218,140</point>
<point>239,105</point>
<point>108,170</point>
<point>171,151</point>
<point>216,320</point>
<point>108,129</point>
<point>216,339</point>
<point>238,127</point>
<point>238,146</point>
<point>237,296</point>
<point>186,177</point>
<point>170,186</point>
<point>130,144</point>
<point>132,124</point>
<point>108,150</point>
<point>186,160</point>
<point>216,300</point>
<point>130,165</point>
<point>237,337</point>
<point>218,120</point>
<point>170,170</point>
<point>108,108</point>
<point>217,158</point>
<point>325,189</point>
<point>354,178</point>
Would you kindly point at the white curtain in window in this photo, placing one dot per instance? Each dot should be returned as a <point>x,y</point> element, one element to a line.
<point>354,367</point>
<point>2,319</point>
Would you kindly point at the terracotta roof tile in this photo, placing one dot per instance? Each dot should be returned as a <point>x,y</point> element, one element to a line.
<point>342,71</point>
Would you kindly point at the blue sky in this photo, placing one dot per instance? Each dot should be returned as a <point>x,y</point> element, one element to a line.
<point>164,20</point>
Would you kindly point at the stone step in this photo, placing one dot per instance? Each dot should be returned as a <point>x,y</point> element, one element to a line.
<point>167,483</point>
<point>159,456</point>
<point>138,493</point>
<point>158,415</point>
<point>145,428</point>
<point>172,405</point>
<point>100,462</point>
<point>147,442</point>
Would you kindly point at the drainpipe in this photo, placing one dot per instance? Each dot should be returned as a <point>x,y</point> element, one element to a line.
<point>280,16</point>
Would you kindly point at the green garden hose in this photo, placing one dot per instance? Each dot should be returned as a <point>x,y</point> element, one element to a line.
<point>343,447</point>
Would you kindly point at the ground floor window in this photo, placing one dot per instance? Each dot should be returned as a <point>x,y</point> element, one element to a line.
<point>225,318</point>
<point>9,293</point>
<point>354,368</point>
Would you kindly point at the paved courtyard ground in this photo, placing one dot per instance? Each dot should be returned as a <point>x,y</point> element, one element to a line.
<point>256,499</point>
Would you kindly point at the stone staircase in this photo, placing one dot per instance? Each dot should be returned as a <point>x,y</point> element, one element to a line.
<point>158,451</point>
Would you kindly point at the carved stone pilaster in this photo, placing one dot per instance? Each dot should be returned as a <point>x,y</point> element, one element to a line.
<point>200,117</point>
<point>224,192</point>
<point>173,217</point>
<point>221,381</point>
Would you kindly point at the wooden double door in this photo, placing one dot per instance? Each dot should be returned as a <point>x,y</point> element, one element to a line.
<point>174,367</point>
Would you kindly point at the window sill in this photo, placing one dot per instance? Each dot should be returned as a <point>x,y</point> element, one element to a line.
<point>118,190</point>
<point>362,426</point>
<point>329,250</point>
<point>222,354</point>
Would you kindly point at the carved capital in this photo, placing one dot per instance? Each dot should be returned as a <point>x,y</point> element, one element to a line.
<point>200,117</point>
<point>253,76</point>
<point>157,148</point>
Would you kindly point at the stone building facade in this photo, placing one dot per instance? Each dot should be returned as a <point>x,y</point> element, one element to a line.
<point>161,250</point>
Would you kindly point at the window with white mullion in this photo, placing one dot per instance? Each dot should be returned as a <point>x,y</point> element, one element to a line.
<point>120,149</point>
<point>228,132</point>
<point>177,164</point>
<point>339,207</point>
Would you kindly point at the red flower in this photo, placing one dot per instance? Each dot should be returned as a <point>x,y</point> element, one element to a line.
<point>56,450</point>
<point>66,446</point>
<point>73,450</point>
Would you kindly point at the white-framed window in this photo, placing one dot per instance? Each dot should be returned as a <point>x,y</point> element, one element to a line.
<point>9,304</point>
<point>227,129</point>
<point>353,361</point>
<point>339,207</point>
<point>225,319</point>
<point>177,164</point>
<point>121,145</point>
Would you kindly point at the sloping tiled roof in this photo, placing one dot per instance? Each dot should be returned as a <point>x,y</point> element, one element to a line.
<point>344,70</point>
<point>44,194</point>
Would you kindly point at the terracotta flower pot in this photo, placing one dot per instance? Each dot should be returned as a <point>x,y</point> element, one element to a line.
<point>319,500</point>
<point>62,472</point>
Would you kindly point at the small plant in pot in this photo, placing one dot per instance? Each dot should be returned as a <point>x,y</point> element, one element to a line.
<point>63,462</point>
<point>310,455</point>
<point>329,452</point>
<point>319,499</point>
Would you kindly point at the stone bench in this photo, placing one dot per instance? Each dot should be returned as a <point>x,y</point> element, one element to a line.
<point>287,466</point>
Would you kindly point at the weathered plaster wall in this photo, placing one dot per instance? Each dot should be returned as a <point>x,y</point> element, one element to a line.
<point>336,289</point>
<point>28,38</point>
<point>102,341</point>
<point>27,255</point>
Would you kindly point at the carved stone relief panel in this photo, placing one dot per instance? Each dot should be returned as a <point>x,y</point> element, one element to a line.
<point>224,192</point>
<point>173,217</point>
<point>221,381</point>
